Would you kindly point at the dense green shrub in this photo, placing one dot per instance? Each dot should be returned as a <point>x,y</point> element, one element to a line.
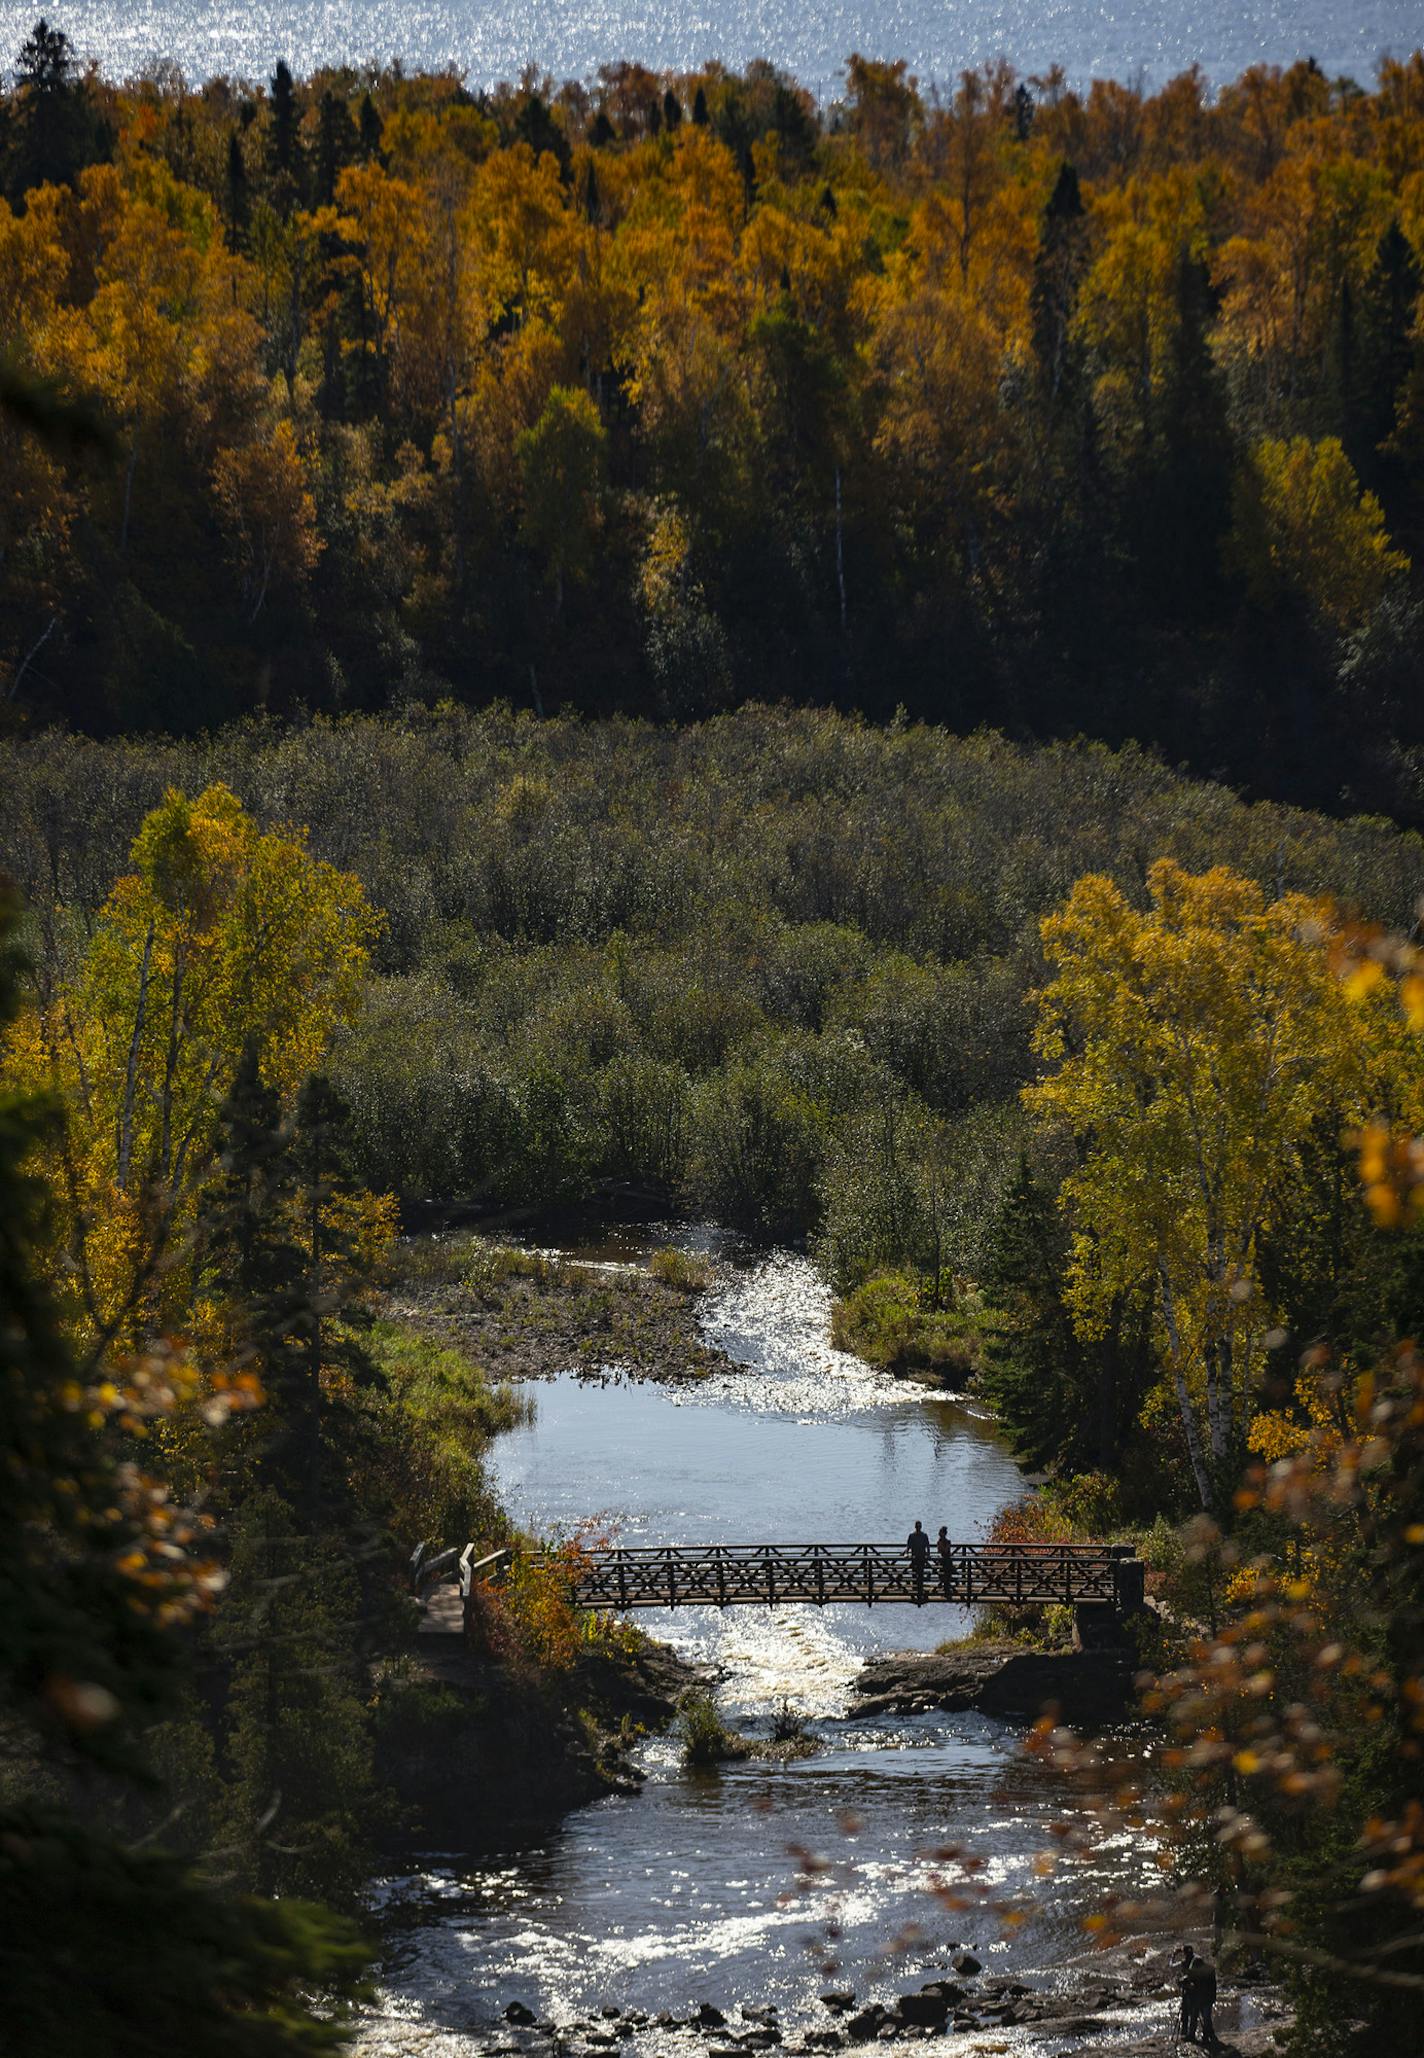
<point>759,1139</point>
<point>890,1322</point>
<point>429,1112</point>
<point>706,1739</point>
<point>642,1119</point>
<point>426,1428</point>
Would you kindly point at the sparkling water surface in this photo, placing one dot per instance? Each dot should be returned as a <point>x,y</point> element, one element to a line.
<point>696,1889</point>
<point>810,38</point>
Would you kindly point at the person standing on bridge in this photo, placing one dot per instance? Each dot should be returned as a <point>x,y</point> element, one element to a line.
<point>918,1546</point>
<point>945,1548</point>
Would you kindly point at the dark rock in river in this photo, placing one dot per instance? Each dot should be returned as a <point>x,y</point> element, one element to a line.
<point>922,2011</point>
<point>867,2025</point>
<point>997,1679</point>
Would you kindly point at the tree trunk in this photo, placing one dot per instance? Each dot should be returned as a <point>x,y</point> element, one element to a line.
<point>1190,1426</point>
<point>128,496</point>
<point>126,1112</point>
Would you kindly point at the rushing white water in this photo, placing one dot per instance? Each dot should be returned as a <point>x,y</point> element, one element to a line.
<point>570,39</point>
<point>803,1444</point>
<point>695,1890</point>
<point>774,1320</point>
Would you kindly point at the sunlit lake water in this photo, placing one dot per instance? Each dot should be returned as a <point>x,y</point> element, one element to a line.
<point>691,1891</point>
<point>810,38</point>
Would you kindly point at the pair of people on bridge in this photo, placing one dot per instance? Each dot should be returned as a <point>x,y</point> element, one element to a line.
<point>917,1543</point>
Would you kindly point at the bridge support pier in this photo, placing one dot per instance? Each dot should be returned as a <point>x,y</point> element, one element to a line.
<point>1097,1626</point>
<point>1102,1625</point>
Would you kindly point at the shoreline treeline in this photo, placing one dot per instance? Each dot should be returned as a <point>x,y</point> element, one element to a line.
<point>1068,412</point>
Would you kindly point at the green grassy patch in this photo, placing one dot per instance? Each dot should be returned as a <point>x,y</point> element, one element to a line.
<point>682,1269</point>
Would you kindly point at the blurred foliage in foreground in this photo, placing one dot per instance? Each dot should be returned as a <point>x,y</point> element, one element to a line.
<point>1244,1081</point>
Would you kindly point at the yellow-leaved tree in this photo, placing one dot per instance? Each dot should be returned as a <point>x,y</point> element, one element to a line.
<point>1194,1048</point>
<point>224,937</point>
<point>1302,526</point>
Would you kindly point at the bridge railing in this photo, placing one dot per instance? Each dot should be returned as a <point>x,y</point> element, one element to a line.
<point>623,1577</point>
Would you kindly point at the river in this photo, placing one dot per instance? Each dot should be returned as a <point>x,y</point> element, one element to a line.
<point>569,39</point>
<point>694,1890</point>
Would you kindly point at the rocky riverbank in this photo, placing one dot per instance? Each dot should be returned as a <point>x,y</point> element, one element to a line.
<point>528,1315</point>
<point>1131,2011</point>
<point>1086,1687</point>
<point>476,1752</point>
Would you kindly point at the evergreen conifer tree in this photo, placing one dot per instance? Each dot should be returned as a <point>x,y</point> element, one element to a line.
<point>1371,374</point>
<point>1186,507</point>
<point>1066,489</point>
<point>326,1190</point>
<point>237,193</point>
<point>370,129</point>
<point>1057,274</point>
<point>284,141</point>
<point>337,145</point>
<point>54,131</point>
<point>261,1276</point>
<point>298,1815</point>
<point>1068,1406</point>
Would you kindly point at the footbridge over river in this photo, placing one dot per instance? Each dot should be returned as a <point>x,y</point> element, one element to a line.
<point>1100,1582</point>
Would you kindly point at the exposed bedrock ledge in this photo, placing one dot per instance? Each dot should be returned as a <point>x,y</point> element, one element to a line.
<point>475,1752</point>
<point>997,1679</point>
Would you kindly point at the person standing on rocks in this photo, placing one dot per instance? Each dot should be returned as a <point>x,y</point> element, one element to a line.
<point>918,1546</point>
<point>1198,1984</point>
<point>944,1547</point>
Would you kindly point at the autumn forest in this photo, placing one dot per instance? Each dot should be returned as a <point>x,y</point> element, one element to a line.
<point>838,683</point>
<point>1061,411</point>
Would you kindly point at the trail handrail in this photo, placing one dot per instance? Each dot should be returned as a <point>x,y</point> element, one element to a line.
<point>459,1559</point>
<point>491,1570</point>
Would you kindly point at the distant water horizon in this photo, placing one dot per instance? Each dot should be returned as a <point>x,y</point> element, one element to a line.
<point>1150,40</point>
